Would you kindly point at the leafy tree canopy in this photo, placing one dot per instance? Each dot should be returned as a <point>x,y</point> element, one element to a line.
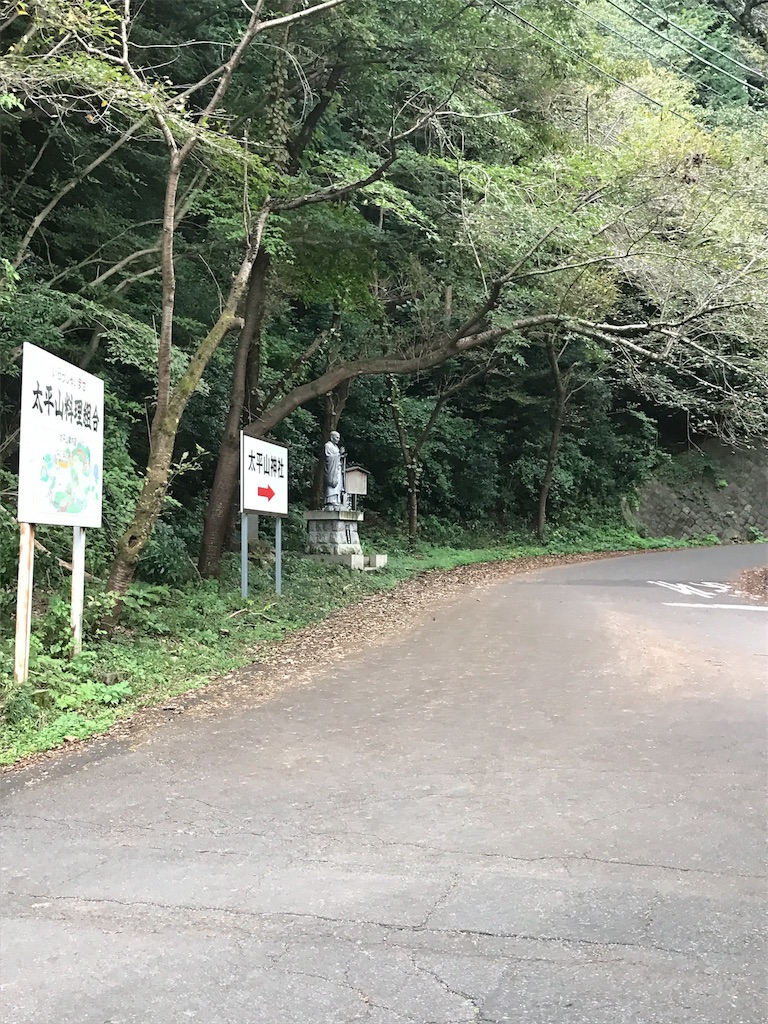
<point>242,207</point>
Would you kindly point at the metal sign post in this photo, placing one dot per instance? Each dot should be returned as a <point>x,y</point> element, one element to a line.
<point>244,556</point>
<point>263,491</point>
<point>278,556</point>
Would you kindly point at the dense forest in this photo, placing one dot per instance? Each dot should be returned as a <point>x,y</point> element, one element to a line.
<point>504,247</point>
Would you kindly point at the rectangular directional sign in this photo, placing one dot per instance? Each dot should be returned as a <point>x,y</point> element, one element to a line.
<point>263,477</point>
<point>61,444</point>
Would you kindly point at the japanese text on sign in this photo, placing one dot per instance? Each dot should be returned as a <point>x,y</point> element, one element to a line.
<point>267,465</point>
<point>66,406</point>
<point>263,477</point>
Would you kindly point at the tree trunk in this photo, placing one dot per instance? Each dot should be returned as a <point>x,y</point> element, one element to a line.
<point>413,503</point>
<point>164,430</point>
<point>218,517</point>
<point>223,496</point>
<point>546,483</point>
<point>410,458</point>
<point>148,508</point>
<point>172,400</point>
<point>558,419</point>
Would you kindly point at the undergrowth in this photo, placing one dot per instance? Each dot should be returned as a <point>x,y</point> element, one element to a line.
<point>172,640</point>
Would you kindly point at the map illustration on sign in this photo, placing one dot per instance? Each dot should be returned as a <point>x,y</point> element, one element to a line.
<point>73,479</point>
<point>62,442</point>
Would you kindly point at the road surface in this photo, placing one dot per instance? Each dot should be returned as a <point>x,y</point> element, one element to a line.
<point>546,806</point>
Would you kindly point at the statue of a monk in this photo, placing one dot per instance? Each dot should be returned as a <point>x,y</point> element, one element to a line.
<point>333,464</point>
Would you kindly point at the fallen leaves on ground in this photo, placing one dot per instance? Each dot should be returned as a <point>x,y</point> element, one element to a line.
<point>753,582</point>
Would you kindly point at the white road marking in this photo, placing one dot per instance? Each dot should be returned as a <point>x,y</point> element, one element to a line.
<point>735,607</point>
<point>691,589</point>
<point>719,588</point>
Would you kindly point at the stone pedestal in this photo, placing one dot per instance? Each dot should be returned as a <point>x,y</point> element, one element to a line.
<point>333,532</point>
<point>332,537</point>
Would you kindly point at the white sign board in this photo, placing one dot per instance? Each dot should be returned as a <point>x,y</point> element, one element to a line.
<point>263,477</point>
<point>355,480</point>
<point>61,446</point>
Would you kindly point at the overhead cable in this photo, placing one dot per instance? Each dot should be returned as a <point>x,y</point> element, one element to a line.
<point>638,46</point>
<point>642,49</point>
<point>664,17</point>
<point>595,67</point>
<point>680,46</point>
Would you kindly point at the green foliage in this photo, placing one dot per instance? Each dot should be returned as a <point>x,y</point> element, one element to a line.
<point>616,203</point>
<point>467,197</point>
<point>10,102</point>
<point>166,557</point>
<point>688,468</point>
<point>9,278</point>
<point>71,695</point>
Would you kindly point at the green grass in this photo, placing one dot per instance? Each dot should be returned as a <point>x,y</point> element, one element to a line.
<point>175,640</point>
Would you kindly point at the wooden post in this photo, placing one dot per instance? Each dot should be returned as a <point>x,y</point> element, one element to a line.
<point>78,587</point>
<point>24,601</point>
<point>244,556</point>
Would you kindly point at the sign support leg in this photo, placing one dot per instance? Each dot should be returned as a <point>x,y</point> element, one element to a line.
<point>24,601</point>
<point>244,556</point>
<point>78,587</point>
<point>278,556</point>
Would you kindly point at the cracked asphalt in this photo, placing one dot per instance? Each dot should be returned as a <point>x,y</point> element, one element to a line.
<point>545,804</point>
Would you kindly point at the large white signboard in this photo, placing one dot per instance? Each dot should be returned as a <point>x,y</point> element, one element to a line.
<point>61,447</point>
<point>263,477</point>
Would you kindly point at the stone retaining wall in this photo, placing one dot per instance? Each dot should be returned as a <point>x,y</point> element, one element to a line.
<point>717,490</point>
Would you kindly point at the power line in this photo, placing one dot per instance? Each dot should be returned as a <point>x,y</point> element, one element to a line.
<point>714,49</point>
<point>534,28</point>
<point>691,53</point>
<point>583,59</point>
<point>631,42</point>
<point>618,81</point>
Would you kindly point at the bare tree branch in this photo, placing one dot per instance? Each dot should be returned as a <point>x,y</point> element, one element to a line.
<point>289,19</point>
<point>301,360</point>
<point>30,170</point>
<point>67,188</point>
<point>255,26</point>
<point>336,192</point>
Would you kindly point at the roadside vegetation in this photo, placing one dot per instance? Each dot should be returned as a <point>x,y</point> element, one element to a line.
<point>514,252</point>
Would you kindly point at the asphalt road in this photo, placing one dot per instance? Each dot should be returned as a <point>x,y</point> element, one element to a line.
<point>546,806</point>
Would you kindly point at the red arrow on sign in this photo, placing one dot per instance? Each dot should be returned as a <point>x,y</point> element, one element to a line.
<point>266,492</point>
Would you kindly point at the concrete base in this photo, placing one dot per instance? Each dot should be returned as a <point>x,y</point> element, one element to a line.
<point>350,561</point>
<point>333,532</point>
<point>332,538</point>
<point>365,562</point>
